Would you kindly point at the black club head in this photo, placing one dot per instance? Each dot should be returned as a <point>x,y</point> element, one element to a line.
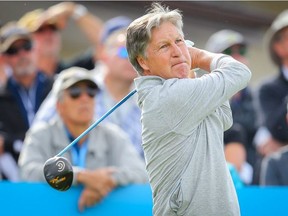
<point>58,173</point>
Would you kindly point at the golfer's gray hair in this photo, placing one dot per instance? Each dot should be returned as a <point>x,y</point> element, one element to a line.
<point>139,31</point>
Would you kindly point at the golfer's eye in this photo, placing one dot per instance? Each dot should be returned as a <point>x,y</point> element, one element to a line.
<point>179,41</point>
<point>163,46</point>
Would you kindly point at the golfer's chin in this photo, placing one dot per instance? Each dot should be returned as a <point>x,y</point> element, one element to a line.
<point>181,70</point>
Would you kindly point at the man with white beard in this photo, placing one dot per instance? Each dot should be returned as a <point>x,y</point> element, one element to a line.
<point>20,99</point>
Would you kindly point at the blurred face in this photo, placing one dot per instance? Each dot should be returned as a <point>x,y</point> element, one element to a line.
<point>47,40</point>
<point>21,58</point>
<point>116,59</point>
<point>280,45</point>
<point>167,55</point>
<point>76,106</point>
<point>238,52</point>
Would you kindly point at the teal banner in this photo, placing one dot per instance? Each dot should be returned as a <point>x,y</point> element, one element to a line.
<point>38,199</point>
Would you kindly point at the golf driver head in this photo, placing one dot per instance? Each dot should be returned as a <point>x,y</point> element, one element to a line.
<point>58,173</point>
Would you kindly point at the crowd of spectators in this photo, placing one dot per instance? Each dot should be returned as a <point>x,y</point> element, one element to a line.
<point>33,97</point>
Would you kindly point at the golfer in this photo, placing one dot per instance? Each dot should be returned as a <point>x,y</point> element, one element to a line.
<point>183,119</point>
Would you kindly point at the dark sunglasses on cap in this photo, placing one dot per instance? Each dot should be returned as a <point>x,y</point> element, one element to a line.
<point>122,52</point>
<point>76,91</point>
<point>241,50</point>
<point>14,50</point>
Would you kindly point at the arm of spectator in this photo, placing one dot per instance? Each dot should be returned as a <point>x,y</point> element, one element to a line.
<point>100,180</point>
<point>98,183</point>
<point>270,146</point>
<point>88,198</point>
<point>90,25</point>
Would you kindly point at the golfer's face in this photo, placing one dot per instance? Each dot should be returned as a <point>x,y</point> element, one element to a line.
<point>167,53</point>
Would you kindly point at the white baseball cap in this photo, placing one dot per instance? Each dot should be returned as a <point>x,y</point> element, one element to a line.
<point>223,39</point>
<point>279,23</point>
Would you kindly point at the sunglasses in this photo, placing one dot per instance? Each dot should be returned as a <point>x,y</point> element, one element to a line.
<point>75,92</point>
<point>122,53</point>
<point>52,28</point>
<point>241,50</point>
<point>14,50</point>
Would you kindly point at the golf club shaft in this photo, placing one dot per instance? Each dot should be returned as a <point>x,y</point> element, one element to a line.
<point>96,123</point>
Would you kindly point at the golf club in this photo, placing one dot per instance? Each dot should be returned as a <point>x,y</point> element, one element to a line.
<point>58,171</point>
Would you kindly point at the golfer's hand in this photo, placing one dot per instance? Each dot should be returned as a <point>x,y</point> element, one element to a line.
<point>201,58</point>
<point>88,198</point>
<point>100,180</point>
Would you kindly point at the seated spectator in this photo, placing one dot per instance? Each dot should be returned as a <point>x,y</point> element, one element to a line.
<point>242,103</point>
<point>46,27</point>
<point>115,77</point>
<point>25,90</point>
<point>102,160</point>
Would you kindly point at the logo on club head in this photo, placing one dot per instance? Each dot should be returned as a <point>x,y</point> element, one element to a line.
<point>61,165</point>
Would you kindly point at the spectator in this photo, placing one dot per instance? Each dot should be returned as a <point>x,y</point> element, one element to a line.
<point>102,160</point>
<point>46,27</point>
<point>25,90</point>
<point>272,93</point>
<point>274,168</point>
<point>232,43</point>
<point>183,119</point>
<point>114,75</point>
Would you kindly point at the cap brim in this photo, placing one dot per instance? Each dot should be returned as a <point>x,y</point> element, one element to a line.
<point>73,82</point>
<point>9,41</point>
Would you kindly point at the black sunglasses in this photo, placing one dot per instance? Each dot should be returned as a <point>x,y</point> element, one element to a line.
<point>44,28</point>
<point>241,49</point>
<point>27,46</point>
<point>75,92</point>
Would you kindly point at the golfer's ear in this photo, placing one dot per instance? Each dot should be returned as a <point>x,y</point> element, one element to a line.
<point>142,62</point>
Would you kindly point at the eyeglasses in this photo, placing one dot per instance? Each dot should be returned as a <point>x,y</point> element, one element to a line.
<point>238,49</point>
<point>14,50</point>
<point>44,28</point>
<point>122,52</point>
<point>75,92</point>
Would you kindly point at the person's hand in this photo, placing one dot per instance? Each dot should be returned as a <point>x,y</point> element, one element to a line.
<point>88,198</point>
<point>270,146</point>
<point>99,180</point>
<point>59,14</point>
